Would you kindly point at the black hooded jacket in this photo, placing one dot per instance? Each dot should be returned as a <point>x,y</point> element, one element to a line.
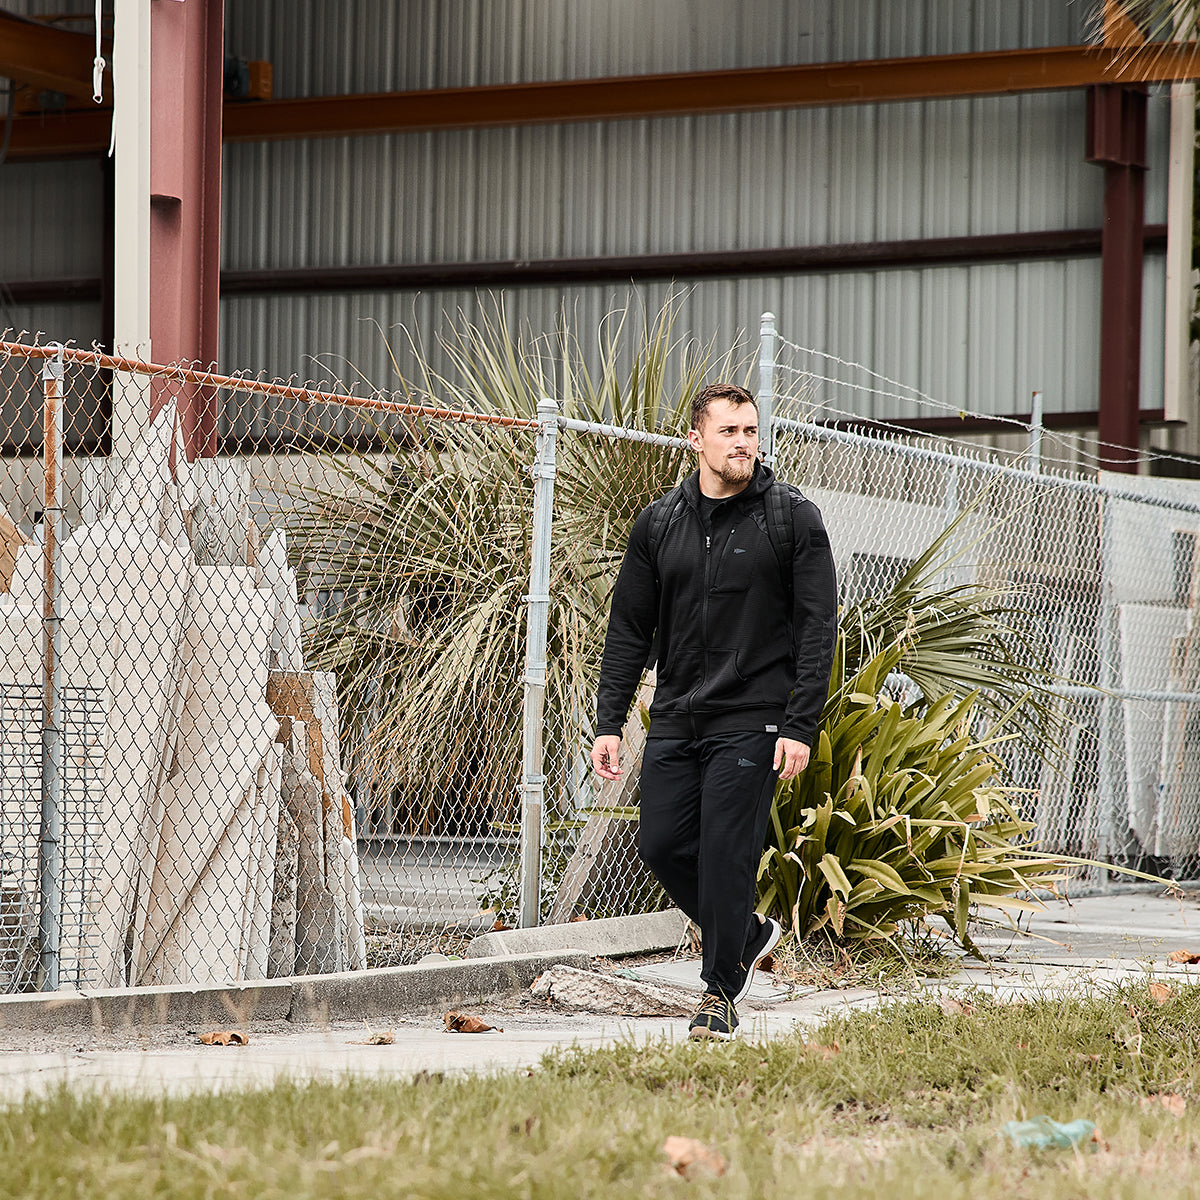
<point>731,658</point>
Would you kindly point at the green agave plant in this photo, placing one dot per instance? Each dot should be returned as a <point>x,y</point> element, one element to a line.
<point>903,810</point>
<point>900,813</point>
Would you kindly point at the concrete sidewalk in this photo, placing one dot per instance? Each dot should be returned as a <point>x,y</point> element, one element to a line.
<point>1094,942</point>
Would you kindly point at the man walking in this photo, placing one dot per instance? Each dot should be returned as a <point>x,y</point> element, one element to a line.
<point>733,573</point>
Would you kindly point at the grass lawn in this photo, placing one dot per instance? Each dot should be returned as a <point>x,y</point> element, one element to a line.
<point>902,1102</point>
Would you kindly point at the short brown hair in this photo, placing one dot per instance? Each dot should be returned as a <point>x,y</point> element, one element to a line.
<point>736,396</point>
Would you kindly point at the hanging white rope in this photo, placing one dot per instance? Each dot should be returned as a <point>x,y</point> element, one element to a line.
<point>98,63</point>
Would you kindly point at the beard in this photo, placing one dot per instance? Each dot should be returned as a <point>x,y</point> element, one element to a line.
<point>736,470</point>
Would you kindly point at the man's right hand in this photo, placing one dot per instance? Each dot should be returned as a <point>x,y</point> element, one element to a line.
<point>606,756</point>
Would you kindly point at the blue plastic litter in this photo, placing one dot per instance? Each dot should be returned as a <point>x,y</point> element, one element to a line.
<point>1041,1133</point>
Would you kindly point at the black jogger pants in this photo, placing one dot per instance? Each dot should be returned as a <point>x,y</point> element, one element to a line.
<point>705,803</point>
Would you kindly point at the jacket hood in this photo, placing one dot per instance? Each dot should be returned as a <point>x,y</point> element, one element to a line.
<point>759,483</point>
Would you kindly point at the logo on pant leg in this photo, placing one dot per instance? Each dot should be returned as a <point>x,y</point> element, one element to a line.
<point>745,762</point>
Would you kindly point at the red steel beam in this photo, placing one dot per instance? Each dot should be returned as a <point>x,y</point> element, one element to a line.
<point>873,81</point>
<point>186,74</point>
<point>45,57</point>
<point>1117,141</point>
<point>712,264</point>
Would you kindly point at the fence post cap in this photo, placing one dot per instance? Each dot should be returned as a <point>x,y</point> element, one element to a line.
<point>52,368</point>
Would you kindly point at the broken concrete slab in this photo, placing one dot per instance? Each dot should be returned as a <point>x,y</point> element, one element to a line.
<point>611,937</point>
<point>684,973</point>
<point>11,540</point>
<point>274,575</point>
<point>200,860</point>
<point>145,474</point>
<point>589,991</point>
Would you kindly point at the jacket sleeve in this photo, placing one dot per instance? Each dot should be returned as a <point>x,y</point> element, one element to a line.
<point>631,624</point>
<point>814,622</point>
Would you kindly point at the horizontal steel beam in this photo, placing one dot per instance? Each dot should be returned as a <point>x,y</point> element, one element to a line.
<point>873,81</point>
<point>1001,423</point>
<point>784,260</point>
<point>45,57</point>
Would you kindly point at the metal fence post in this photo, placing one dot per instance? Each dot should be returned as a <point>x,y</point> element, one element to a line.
<point>50,849</point>
<point>766,388</point>
<point>1109,712</point>
<point>1036,424</point>
<point>533,778</point>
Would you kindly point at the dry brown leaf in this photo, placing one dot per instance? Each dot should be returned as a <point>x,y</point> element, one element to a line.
<point>691,1159</point>
<point>767,963</point>
<point>224,1037</point>
<point>825,1052</point>
<point>580,917</point>
<point>1175,1104</point>
<point>498,926</point>
<point>457,1022</point>
<point>1183,956</point>
<point>952,1007</point>
<point>1160,993</point>
<point>376,1039</point>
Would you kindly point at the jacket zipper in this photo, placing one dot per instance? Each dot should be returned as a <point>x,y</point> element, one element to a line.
<point>703,630</point>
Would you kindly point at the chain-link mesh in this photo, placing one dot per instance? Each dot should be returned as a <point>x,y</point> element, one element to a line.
<point>267,691</point>
<point>260,686</point>
<point>1103,583</point>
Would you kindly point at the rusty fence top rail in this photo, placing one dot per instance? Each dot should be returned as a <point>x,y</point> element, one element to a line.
<point>259,387</point>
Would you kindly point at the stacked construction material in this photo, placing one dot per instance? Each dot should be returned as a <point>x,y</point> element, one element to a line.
<point>206,798</point>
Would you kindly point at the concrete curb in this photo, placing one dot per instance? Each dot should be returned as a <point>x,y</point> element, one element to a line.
<point>98,1010</point>
<point>609,937</point>
<point>392,990</point>
<point>349,994</point>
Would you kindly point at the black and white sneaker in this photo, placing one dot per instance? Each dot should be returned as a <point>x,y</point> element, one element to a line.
<point>715,1019</point>
<point>761,944</point>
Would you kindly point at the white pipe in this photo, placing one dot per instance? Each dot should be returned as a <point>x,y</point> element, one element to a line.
<point>131,216</point>
<point>1178,403</point>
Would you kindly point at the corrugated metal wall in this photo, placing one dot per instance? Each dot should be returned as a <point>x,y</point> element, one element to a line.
<point>738,181</point>
<point>321,47</point>
<point>51,215</point>
<point>979,337</point>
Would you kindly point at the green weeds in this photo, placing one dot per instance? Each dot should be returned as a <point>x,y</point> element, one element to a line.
<point>908,1098</point>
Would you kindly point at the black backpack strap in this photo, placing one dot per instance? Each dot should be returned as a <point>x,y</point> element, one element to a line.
<point>780,531</point>
<point>662,513</point>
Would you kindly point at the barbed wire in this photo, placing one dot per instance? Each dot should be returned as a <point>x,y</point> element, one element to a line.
<point>816,406</point>
<point>1079,447</point>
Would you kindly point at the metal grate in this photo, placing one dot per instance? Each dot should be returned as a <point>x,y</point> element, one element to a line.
<point>20,826</point>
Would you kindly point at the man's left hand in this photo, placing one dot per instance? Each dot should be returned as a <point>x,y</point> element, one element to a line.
<point>791,757</point>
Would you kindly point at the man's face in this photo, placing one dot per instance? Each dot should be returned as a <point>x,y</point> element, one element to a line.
<point>727,440</point>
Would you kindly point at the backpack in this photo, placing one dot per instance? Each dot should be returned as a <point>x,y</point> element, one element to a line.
<point>777,504</point>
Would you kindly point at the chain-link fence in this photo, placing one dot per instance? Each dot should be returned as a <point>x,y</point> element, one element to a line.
<point>259,674</point>
<point>293,682</point>
<point>1102,575</point>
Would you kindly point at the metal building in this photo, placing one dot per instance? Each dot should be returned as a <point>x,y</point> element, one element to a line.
<point>948,236</point>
